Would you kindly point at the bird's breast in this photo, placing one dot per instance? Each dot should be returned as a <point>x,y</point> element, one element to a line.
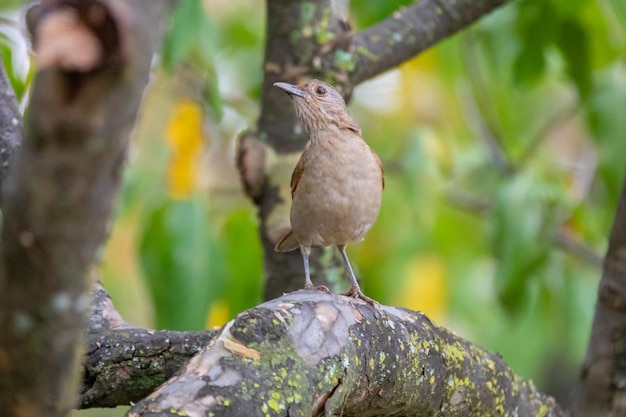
<point>337,199</point>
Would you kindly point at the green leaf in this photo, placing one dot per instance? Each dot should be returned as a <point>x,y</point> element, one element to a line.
<point>20,85</point>
<point>573,44</point>
<point>182,263</point>
<point>569,7</point>
<point>211,94</point>
<point>192,40</point>
<point>244,256</point>
<point>519,240</point>
<point>11,4</point>
<point>367,13</point>
<point>534,28</point>
<point>190,33</point>
<point>619,7</point>
<point>608,129</point>
<point>529,65</point>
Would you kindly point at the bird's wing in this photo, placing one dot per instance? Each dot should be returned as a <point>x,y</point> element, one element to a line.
<point>297,174</point>
<point>380,165</point>
<point>287,243</point>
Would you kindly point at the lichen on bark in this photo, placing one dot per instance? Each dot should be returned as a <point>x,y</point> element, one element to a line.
<point>313,353</point>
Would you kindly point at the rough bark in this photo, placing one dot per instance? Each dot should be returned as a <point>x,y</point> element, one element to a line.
<point>125,363</point>
<point>311,353</point>
<point>309,39</point>
<point>93,62</point>
<point>602,387</point>
<point>408,32</point>
<point>303,354</point>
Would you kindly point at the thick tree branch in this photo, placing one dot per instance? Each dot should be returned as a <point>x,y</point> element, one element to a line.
<point>93,60</point>
<point>405,34</point>
<point>311,353</point>
<point>602,387</point>
<point>125,363</point>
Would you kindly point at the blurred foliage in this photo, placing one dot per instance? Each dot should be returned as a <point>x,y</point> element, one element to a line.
<point>504,155</point>
<point>13,49</point>
<point>11,4</point>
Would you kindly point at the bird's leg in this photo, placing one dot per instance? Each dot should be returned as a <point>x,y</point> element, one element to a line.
<point>355,289</point>
<point>308,285</point>
<point>306,251</point>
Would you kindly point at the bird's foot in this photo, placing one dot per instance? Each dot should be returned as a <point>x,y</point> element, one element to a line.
<point>355,292</point>
<point>311,287</point>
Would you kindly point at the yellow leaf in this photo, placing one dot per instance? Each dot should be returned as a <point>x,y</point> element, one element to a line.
<point>218,314</point>
<point>184,137</point>
<point>424,287</point>
<point>421,90</point>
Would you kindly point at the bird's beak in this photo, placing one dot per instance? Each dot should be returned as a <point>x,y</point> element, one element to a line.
<point>292,90</point>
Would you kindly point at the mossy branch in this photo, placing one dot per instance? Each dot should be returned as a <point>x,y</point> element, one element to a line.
<point>125,363</point>
<point>311,353</point>
<point>405,34</point>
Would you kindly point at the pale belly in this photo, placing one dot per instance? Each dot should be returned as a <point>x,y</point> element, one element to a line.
<point>337,200</point>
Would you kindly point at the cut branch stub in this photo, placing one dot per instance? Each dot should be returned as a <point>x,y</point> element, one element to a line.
<point>80,37</point>
<point>311,353</point>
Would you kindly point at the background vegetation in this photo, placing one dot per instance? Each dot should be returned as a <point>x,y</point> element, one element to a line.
<point>503,149</point>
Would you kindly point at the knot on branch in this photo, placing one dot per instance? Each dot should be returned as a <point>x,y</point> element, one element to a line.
<point>76,36</point>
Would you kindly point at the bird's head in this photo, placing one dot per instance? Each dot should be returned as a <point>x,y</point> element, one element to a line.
<point>319,106</point>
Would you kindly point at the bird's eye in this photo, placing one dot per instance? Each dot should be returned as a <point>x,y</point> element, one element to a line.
<point>320,91</point>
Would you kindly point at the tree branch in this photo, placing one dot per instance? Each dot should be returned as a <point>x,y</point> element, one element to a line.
<point>602,389</point>
<point>407,33</point>
<point>311,353</point>
<point>125,363</point>
<point>93,60</point>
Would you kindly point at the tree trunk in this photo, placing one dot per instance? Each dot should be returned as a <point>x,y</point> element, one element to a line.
<point>601,390</point>
<point>93,62</point>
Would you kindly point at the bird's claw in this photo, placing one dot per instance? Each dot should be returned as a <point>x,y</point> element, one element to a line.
<point>356,293</point>
<point>322,288</point>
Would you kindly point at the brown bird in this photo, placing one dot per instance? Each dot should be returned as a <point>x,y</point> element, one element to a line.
<point>337,185</point>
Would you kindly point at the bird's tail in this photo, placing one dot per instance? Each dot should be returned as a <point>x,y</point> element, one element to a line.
<point>287,242</point>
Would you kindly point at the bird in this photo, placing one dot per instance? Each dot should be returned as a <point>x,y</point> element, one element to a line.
<point>337,184</point>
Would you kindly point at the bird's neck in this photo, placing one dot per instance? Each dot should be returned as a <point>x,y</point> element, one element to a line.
<point>327,120</point>
<point>334,133</point>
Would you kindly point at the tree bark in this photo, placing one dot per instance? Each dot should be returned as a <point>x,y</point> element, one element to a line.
<point>311,353</point>
<point>309,39</point>
<point>601,390</point>
<point>407,33</point>
<point>125,363</point>
<point>93,62</point>
<point>394,361</point>
<point>10,126</point>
